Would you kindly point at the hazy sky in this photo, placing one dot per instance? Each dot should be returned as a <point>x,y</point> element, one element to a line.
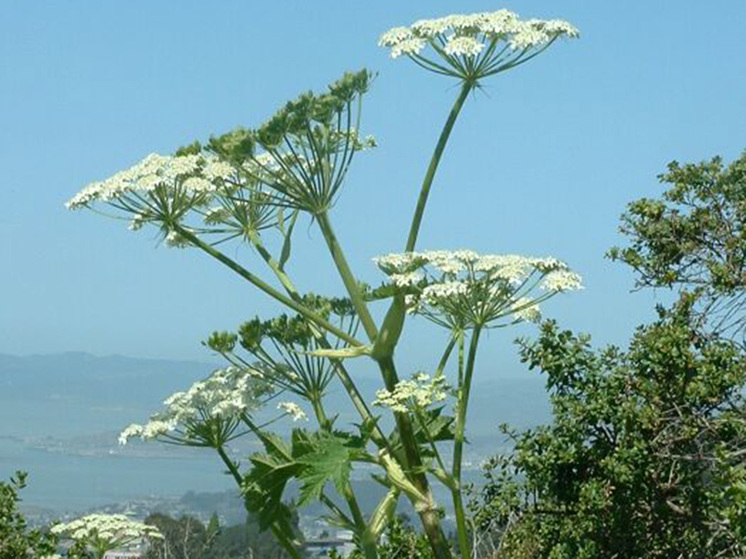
<point>542,162</point>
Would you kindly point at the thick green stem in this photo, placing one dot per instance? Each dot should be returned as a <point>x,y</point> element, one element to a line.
<point>458,445</point>
<point>286,543</point>
<point>268,289</point>
<point>348,278</point>
<point>414,229</point>
<point>429,516</point>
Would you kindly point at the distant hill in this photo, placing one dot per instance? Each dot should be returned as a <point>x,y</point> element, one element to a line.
<point>76,393</point>
<point>60,415</point>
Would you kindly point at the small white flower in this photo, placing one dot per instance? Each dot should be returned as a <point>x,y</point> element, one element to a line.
<point>463,46</point>
<point>462,288</point>
<point>407,47</point>
<point>526,309</point>
<point>420,391</point>
<point>394,36</point>
<point>562,280</point>
<point>294,410</point>
<point>225,394</point>
<point>134,430</point>
<point>468,35</point>
<point>109,531</point>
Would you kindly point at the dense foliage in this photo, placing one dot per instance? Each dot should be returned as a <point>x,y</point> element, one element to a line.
<point>17,541</point>
<point>646,453</point>
<point>644,457</point>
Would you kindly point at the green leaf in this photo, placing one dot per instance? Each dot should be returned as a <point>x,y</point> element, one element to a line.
<point>330,462</point>
<point>286,245</point>
<point>344,353</point>
<point>264,485</point>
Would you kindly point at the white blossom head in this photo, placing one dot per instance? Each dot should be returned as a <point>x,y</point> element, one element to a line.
<point>157,175</point>
<point>293,410</point>
<point>104,532</point>
<point>474,46</point>
<point>463,289</point>
<point>419,392</point>
<point>160,190</point>
<point>208,413</point>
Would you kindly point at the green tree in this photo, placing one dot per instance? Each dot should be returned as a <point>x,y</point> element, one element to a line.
<point>694,238</point>
<point>185,538</point>
<point>17,541</point>
<point>645,453</point>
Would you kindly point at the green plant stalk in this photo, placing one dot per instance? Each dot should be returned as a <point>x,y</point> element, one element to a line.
<point>272,263</point>
<point>348,278</point>
<point>268,289</point>
<point>282,538</point>
<point>458,445</point>
<point>446,355</point>
<point>379,437</point>
<point>414,229</point>
<point>430,518</point>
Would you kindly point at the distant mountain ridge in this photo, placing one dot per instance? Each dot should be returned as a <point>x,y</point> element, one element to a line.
<point>106,392</point>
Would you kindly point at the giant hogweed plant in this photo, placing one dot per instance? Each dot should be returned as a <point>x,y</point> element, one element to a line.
<point>250,185</point>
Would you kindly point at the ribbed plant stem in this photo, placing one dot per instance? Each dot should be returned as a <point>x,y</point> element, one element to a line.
<point>458,445</point>
<point>427,182</point>
<point>348,278</point>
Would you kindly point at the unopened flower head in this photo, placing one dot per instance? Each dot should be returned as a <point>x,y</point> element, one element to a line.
<point>473,46</point>
<point>224,396</point>
<point>462,289</point>
<point>419,392</point>
<point>293,410</point>
<point>106,531</point>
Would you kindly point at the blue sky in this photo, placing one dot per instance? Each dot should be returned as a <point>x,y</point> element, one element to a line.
<point>541,163</point>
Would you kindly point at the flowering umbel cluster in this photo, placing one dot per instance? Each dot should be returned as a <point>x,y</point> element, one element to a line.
<point>104,532</point>
<point>293,410</point>
<point>462,289</point>
<point>474,46</point>
<point>419,392</point>
<point>208,413</point>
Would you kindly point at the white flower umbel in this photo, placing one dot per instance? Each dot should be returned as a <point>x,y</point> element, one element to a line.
<point>293,410</point>
<point>419,392</point>
<point>474,46</point>
<point>463,289</point>
<point>185,175</point>
<point>159,189</point>
<point>105,532</point>
<point>207,414</point>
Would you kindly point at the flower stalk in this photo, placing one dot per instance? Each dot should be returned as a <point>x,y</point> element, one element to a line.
<point>419,212</point>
